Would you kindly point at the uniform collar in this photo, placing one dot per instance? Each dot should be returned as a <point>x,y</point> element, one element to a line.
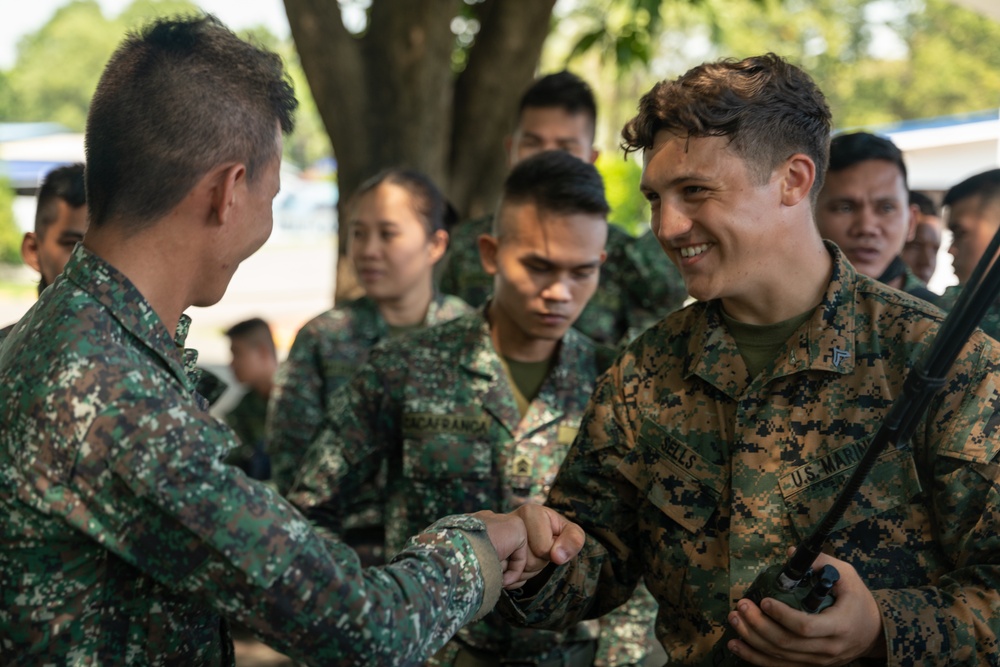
<point>482,358</point>
<point>370,324</point>
<point>120,297</point>
<point>825,342</point>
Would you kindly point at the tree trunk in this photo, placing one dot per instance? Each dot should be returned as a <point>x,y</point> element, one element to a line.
<point>390,97</point>
<point>501,65</point>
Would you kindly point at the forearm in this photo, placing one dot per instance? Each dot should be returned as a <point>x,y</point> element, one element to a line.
<point>324,609</point>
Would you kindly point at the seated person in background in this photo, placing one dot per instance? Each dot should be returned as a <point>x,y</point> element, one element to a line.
<point>397,234</point>
<point>479,412</point>
<point>125,539</point>
<point>972,209</point>
<point>920,252</point>
<point>60,223</point>
<point>720,436</point>
<point>254,363</point>
<point>864,207</point>
<point>558,112</point>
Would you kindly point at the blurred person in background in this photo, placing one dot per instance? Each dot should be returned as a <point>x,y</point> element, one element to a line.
<point>638,285</point>
<point>864,207</point>
<point>60,223</point>
<point>397,234</point>
<point>972,211</point>
<point>920,252</point>
<point>254,363</point>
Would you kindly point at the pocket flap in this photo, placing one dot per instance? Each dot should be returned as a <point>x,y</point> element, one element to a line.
<point>675,478</point>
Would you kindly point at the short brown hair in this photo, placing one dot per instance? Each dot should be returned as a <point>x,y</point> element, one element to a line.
<point>769,109</point>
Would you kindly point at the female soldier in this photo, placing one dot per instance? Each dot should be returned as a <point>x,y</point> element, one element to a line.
<point>397,234</point>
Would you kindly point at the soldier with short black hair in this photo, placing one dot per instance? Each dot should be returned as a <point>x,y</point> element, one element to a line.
<point>973,217</point>
<point>479,412</point>
<point>558,112</point>
<point>125,538</point>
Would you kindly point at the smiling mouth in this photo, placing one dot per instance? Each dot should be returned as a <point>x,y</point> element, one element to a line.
<point>690,251</point>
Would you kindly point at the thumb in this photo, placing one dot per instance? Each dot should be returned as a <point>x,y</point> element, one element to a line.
<point>568,538</point>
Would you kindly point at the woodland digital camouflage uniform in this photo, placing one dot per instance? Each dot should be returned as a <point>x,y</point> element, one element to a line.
<point>990,323</point>
<point>696,476</point>
<point>125,539</point>
<point>326,353</point>
<point>439,409</point>
<point>638,285</point>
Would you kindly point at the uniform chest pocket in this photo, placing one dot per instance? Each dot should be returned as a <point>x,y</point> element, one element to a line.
<point>675,478</point>
<point>811,489</point>
<point>446,446</point>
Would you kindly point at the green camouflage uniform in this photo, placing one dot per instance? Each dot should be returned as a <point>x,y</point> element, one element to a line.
<point>247,421</point>
<point>695,476</point>
<point>439,409</point>
<point>326,353</point>
<point>638,284</point>
<point>990,323</point>
<point>125,539</point>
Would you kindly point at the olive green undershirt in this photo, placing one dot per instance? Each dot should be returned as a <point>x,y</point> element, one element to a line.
<point>526,378</point>
<point>759,344</point>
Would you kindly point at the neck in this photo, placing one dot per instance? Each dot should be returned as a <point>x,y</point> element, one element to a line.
<point>152,264</point>
<point>409,309</point>
<point>789,288</point>
<point>510,341</point>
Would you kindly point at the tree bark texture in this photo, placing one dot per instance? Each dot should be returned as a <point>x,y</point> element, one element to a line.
<point>390,97</point>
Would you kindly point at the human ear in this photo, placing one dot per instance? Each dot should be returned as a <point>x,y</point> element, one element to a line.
<point>29,251</point>
<point>911,222</point>
<point>438,244</point>
<point>798,173</point>
<point>228,184</point>
<point>488,246</point>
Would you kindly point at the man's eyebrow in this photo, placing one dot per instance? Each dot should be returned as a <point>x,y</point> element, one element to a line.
<point>688,177</point>
<point>67,235</point>
<point>541,259</point>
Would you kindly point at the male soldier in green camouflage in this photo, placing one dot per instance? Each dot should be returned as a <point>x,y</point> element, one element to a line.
<point>558,112</point>
<point>973,218</point>
<point>254,362</point>
<point>864,207</point>
<point>722,434</point>
<point>60,223</point>
<point>920,253</point>
<point>125,540</point>
<point>479,412</point>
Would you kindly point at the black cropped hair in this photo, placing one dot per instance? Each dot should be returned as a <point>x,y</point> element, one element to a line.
<point>178,98</point>
<point>62,183</point>
<point>924,203</point>
<point>556,182</point>
<point>847,150</point>
<point>562,90</point>
<point>985,184</point>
